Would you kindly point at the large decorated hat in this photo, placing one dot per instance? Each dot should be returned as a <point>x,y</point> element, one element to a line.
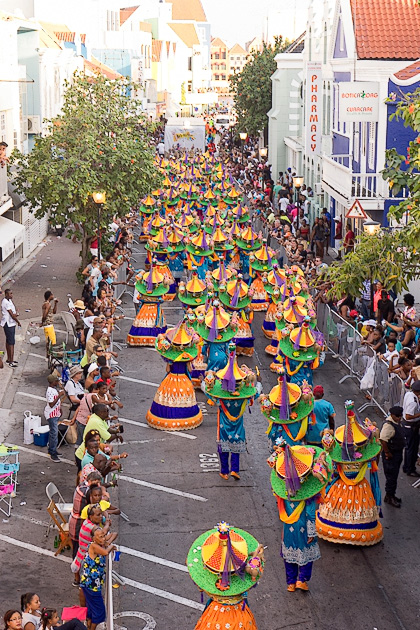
<point>193,292</point>
<point>152,283</point>
<point>231,381</point>
<point>218,561</point>
<point>355,440</point>
<point>179,343</point>
<point>216,325</point>
<point>156,224</point>
<point>172,198</point>
<point>199,246</point>
<point>234,293</point>
<point>287,402</point>
<point>262,259</point>
<point>221,241</point>
<point>147,206</point>
<point>276,278</point>
<point>301,343</point>
<point>248,240</point>
<point>299,472</point>
<point>232,197</point>
<point>176,239</point>
<point>234,230</point>
<point>159,244</point>
<point>240,214</point>
<point>294,310</point>
<point>221,274</point>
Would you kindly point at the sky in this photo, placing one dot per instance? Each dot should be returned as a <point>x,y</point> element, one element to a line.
<point>241,20</point>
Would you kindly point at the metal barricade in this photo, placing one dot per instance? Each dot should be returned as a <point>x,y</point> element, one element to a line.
<point>345,343</point>
<point>121,277</point>
<point>109,602</point>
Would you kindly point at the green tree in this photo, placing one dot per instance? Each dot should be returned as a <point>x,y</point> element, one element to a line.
<point>385,257</point>
<point>252,88</point>
<point>402,171</point>
<point>99,142</point>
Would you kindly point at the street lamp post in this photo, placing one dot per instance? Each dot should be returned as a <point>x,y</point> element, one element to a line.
<point>263,152</point>
<point>99,198</point>
<point>297,183</point>
<point>371,228</point>
<point>243,136</point>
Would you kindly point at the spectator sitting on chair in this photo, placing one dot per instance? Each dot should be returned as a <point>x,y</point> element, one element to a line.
<point>74,388</point>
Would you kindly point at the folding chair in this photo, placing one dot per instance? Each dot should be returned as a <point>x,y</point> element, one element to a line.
<point>62,526</point>
<point>8,480</point>
<point>62,432</point>
<point>65,509</point>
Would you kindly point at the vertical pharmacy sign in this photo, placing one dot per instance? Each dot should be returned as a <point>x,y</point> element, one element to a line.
<point>313,109</point>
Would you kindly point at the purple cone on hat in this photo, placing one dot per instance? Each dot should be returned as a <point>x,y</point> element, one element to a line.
<point>229,382</point>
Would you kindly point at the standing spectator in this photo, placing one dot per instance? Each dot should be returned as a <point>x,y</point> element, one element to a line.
<point>92,577</point>
<point>366,299</point>
<point>161,148</point>
<point>318,237</point>
<point>349,238</point>
<point>385,308</point>
<point>276,190</point>
<point>411,424</point>
<point>9,319</point>
<point>52,412</point>
<point>327,225</point>
<point>338,235</point>
<point>324,417</point>
<point>49,309</point>
<point>393,442</point>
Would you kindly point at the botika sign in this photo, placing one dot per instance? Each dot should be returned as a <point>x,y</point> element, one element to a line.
<point>358,101</point>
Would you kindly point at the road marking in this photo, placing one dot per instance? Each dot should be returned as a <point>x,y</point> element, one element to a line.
<point>138,585</point>
<point>34,521</point>
<point>150,625</point>
<point>137,380</point>
<point>165,594</point>
<point>28,547</point>
<point>31,396</point>
<point>151,558</point>
<point>45,455</point>
<point>156,486</point>
<point>38,356</point>
<point>208,461</point>
<point>188,436</point>
<point>143,441</point>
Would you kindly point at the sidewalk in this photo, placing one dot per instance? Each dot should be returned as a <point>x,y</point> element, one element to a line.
<point>52,267</point>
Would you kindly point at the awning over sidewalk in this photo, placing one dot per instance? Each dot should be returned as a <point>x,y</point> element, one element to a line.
<point>11,236</point>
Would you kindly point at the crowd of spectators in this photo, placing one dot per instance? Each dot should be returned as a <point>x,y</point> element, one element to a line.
<point>81,409</point>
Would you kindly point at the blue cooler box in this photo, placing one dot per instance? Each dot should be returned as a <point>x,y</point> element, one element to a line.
<point>41,435</point>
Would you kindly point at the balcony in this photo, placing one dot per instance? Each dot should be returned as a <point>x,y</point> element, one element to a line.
<point>5,200</point>
<point>340,181</point>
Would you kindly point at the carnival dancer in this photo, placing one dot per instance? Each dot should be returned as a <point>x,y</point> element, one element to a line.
<point>150,319</point>
<point>298,478</point>
<point>235,295</point>
<point>198,252</point>
<point>261,263</point>
<point>159,248</point>
<point>351,510</point>
<point>174,407</point>
<point>216,327</point>
<point>146,212</point>
<point>247,242</point>
<point>288,408</point>
<point>234,389</point>
<point>300,348</point>
<point>226,563</point>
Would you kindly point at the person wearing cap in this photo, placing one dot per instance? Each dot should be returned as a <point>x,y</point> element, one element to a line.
<point>52,412</point>
<point>411,425</point>
<point>393,442</point>
<point>323,417</point>
<point>74,388</point>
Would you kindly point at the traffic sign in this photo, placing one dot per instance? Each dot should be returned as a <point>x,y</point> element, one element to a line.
<point>356,211</point>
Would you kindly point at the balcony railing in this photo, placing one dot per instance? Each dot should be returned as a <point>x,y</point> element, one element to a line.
<point>341,178</point>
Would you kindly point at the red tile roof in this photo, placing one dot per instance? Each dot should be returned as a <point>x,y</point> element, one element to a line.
<point>94,66</point>
<point>156,49</point>
<point>65,36</point>
<point>409,72</point>
<point>188,10</point>
<point>386,29</point>
<point>126,13</point>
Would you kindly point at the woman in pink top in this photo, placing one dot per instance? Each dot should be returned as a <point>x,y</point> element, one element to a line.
<point>83,412</point>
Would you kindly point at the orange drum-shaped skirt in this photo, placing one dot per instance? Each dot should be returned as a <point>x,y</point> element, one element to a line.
<point>220,616</point>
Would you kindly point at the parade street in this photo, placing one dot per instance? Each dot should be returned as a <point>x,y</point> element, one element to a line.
<point>171,491</point>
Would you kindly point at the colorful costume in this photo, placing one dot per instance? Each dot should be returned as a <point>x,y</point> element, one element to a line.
<point>288,408</point>
<point>298,477</point>
<point>150,319</point>
<point>216,327</point>
<point>226,563</point>
<point>350,512</point>
<point>174,407</point>
<point>233,389</point>
<point>234,295</point>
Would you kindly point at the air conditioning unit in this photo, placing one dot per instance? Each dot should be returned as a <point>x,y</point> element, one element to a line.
<point>34,124</point>
<point>318,188</point>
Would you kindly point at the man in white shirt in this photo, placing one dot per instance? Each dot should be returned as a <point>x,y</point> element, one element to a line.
<point>411,424</point>
<point>161,148</point>
<point>9,319</point>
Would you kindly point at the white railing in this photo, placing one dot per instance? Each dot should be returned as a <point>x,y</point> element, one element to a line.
<point>337,176</point>
<point>109,602</point>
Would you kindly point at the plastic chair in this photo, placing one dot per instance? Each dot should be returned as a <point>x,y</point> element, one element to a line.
<point>70,323</point>
<point>65,509</point>
<point>61,524</point>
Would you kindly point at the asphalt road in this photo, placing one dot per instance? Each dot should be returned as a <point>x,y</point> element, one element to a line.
<point>171,491</point>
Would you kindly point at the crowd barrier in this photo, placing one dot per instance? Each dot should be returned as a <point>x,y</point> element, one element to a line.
<point>109,602</point>
<point>121,277</point>
<point>344,342</point>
